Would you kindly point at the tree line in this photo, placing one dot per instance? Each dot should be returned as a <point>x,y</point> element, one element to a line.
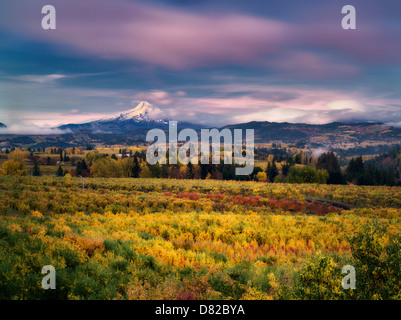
<point>300,168</point>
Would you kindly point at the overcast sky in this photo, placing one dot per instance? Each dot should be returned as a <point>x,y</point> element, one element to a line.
<point>209,61</point>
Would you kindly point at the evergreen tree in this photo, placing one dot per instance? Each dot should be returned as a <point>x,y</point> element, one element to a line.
<point>85,170</point>
<point>82,169</point>
<point>328,161</point>
<point>164,171</point>
<point>274,172</point>
<point>136,168</point>
<point>59,171</point>
<point>355,170</point>
<point>298,158</point>
<point>285,168</point>
<point>268,168</point>
<point>190,170</point>
<point>155,170</point>
<point>36,168</point>
<point>290,160</point>
<point>204,170</point>
<point>78,169</point>
<point>271,171</point>
<point>228,171</point>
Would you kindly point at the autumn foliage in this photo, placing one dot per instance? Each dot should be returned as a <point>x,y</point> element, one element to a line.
<point>192,239</point>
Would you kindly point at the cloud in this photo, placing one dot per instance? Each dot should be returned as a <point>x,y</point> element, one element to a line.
<point>274,96</point>
<point>303,64</point>
<point>394,124</point>
<point>375,40</point>
<point>46,104</point>
<point>22,129</point>
<point>260,62</point>
<point>159,97</point>
<point>275,103</point>
<point>223,104</point>
<point>182,39</point>
<point>47,78</point>
<point>38,78</point>
<point>156,97</point>
<point>345,105</point>
<point>152,34</point>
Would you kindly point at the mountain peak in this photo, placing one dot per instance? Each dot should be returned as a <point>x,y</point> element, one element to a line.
<point>142,111</point>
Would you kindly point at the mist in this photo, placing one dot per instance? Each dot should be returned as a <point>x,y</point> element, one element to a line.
<point>22,129</point>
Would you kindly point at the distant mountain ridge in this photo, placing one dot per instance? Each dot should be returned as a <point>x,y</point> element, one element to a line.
<point>131,126</point>
<point>330,133</point>
<point>136,122</point>
<point>145,116</point>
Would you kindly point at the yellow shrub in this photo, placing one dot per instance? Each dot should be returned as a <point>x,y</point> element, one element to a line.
<point>15,227</point>
<point>36,214</point>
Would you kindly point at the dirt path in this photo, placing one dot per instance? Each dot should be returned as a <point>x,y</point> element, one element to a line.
<point>328,202</point>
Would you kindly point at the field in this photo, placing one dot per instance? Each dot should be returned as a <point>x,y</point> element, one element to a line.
<point>197,239</point>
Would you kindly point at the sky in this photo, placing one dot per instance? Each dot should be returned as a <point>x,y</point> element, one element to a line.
<point>213,62</point>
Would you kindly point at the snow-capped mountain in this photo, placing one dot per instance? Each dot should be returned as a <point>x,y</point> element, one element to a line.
<point>143,116</point>
<point>144,111</point>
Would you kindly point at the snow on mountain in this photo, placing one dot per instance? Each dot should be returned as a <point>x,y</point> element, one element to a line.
<point>144,111</point>
<point>143,116</point>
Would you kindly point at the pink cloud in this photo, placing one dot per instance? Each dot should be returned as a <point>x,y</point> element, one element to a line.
<point>158,97</point>
<point>266,101</point>
<point>369,43</point>
<point>180,39</point>
<point>312,66</point>
<point>376,38</point>
<point>158,35</point>
<point>275,103</point>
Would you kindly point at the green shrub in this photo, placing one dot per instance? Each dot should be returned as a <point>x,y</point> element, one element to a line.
<point>307,174</point>
<point>320,280</point>
<point>218,257</point>
<point>378,262</point>
<point>146,236</point>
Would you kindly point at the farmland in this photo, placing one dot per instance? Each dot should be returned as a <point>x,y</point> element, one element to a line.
<point>197,239</point>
